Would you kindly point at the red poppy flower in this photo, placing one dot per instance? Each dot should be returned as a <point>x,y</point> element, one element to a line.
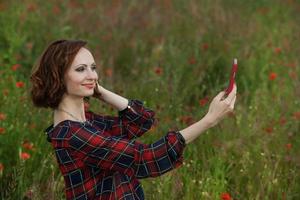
<point>2,116</point>
<point>272,76</point>
<point>5,92</point>
<point>15,67</point>
<point>293,75</point>
<point>2,130</point>
<point>29,194</point>
<point>187,119</point>
<point>203,101</point>
<point>282,121</point>
<point>27,145</point>
<point>109,72</point>
<point>288,146</point>
<point>25,156</point>
<point>20,84</point>
<point>158,70</point>
<point>32,126</point>
<point>205,46</point>
<point>269,129</point>
<point>192,61</point>
<point>29,45</point>
<point>296,115</point>
<point>31,7</point>
<point>1,168</point>
<point>56,10</point>
<point>225,196</point>
<point>291,65</point>
<point>277,50</point>
<point>263,10</point>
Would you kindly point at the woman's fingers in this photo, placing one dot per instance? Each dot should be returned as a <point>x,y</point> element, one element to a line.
<point>220,95</point>
<point>233,103</point>
<point>231,96</point>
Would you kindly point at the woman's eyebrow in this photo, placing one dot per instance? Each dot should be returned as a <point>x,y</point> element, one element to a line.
<point>93,64</point>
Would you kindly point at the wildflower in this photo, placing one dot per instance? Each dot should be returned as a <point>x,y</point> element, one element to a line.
<point>225,196</point>
<point>205,46</point>
<point>263,10</point>
<point>29,194</point>
<point>192,61</point>
<point>2,130</point>
<point>293,75</point>
<point>186,119</point>
<point>296,115</point>
<point>288,146</point>
<point>269,129</point>
<point>203,101</point>
<point>20,84</point>
<point>2,116</point>
<point>277,50</point>
<point>5,92</point>
<point>2,7</point>
<point>109,72</point>
<point>272,76</point>
<point>22,98</point>
<point>15,67</point>
<point>24,156</point>
<point>291,65</point>
<point>56,10</point>
<point>1,168</point>
<point>158,70</point>
<point>29,45</point>
<point>282,121</point>
<point>27,145</point>
<point>31,7</point>
<point>32,126</point>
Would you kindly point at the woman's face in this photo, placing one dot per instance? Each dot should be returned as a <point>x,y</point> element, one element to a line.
<point>80,78</point>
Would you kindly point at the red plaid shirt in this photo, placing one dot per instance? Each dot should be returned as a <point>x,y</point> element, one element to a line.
<point>103,161</point>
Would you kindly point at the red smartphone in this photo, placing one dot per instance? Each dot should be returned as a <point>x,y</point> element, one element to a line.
<point>232,77</point>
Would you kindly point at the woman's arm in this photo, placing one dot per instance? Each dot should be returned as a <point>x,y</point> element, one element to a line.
<point>217,110</point>
<point>133,119</point>
<point>111,98</point>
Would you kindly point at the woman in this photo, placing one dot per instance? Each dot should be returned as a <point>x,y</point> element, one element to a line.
<point>98,155</point>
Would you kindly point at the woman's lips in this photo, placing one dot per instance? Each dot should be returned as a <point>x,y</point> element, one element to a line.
<point>89,86</point>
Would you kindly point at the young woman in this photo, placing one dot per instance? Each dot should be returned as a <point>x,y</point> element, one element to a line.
<point>98,155</point>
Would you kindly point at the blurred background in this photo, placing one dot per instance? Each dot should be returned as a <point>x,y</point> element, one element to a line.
<point>175,56</point>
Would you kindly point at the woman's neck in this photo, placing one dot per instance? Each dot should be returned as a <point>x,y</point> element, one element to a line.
<point>70,108</point>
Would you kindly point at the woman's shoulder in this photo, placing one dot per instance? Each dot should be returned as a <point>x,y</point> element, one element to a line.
<point>62,129</point>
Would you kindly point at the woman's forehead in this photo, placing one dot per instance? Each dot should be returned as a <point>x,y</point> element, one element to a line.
<point>83,56</point>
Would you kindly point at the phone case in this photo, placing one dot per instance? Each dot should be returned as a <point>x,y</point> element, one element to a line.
<point>232,77</point>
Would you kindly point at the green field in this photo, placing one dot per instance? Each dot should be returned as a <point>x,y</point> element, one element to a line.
<point>175,56</point>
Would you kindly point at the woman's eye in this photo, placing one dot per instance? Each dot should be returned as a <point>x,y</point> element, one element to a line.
<point>80,69</point>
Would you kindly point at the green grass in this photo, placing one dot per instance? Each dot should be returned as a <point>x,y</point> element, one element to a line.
<point>253,154</point>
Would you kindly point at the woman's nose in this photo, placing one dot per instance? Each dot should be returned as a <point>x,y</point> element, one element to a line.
<point>92,74</point>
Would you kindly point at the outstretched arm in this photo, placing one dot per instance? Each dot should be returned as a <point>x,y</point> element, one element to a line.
<point>217,111</point>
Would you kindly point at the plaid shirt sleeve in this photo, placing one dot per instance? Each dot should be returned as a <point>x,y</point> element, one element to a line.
<point>127,156</point>
<point>131,122</point>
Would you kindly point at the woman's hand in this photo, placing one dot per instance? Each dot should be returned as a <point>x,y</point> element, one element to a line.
<point>97,94</point>
<point>219,108</point>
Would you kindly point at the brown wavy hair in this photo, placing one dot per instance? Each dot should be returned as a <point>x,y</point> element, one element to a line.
<point>47,77</point>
